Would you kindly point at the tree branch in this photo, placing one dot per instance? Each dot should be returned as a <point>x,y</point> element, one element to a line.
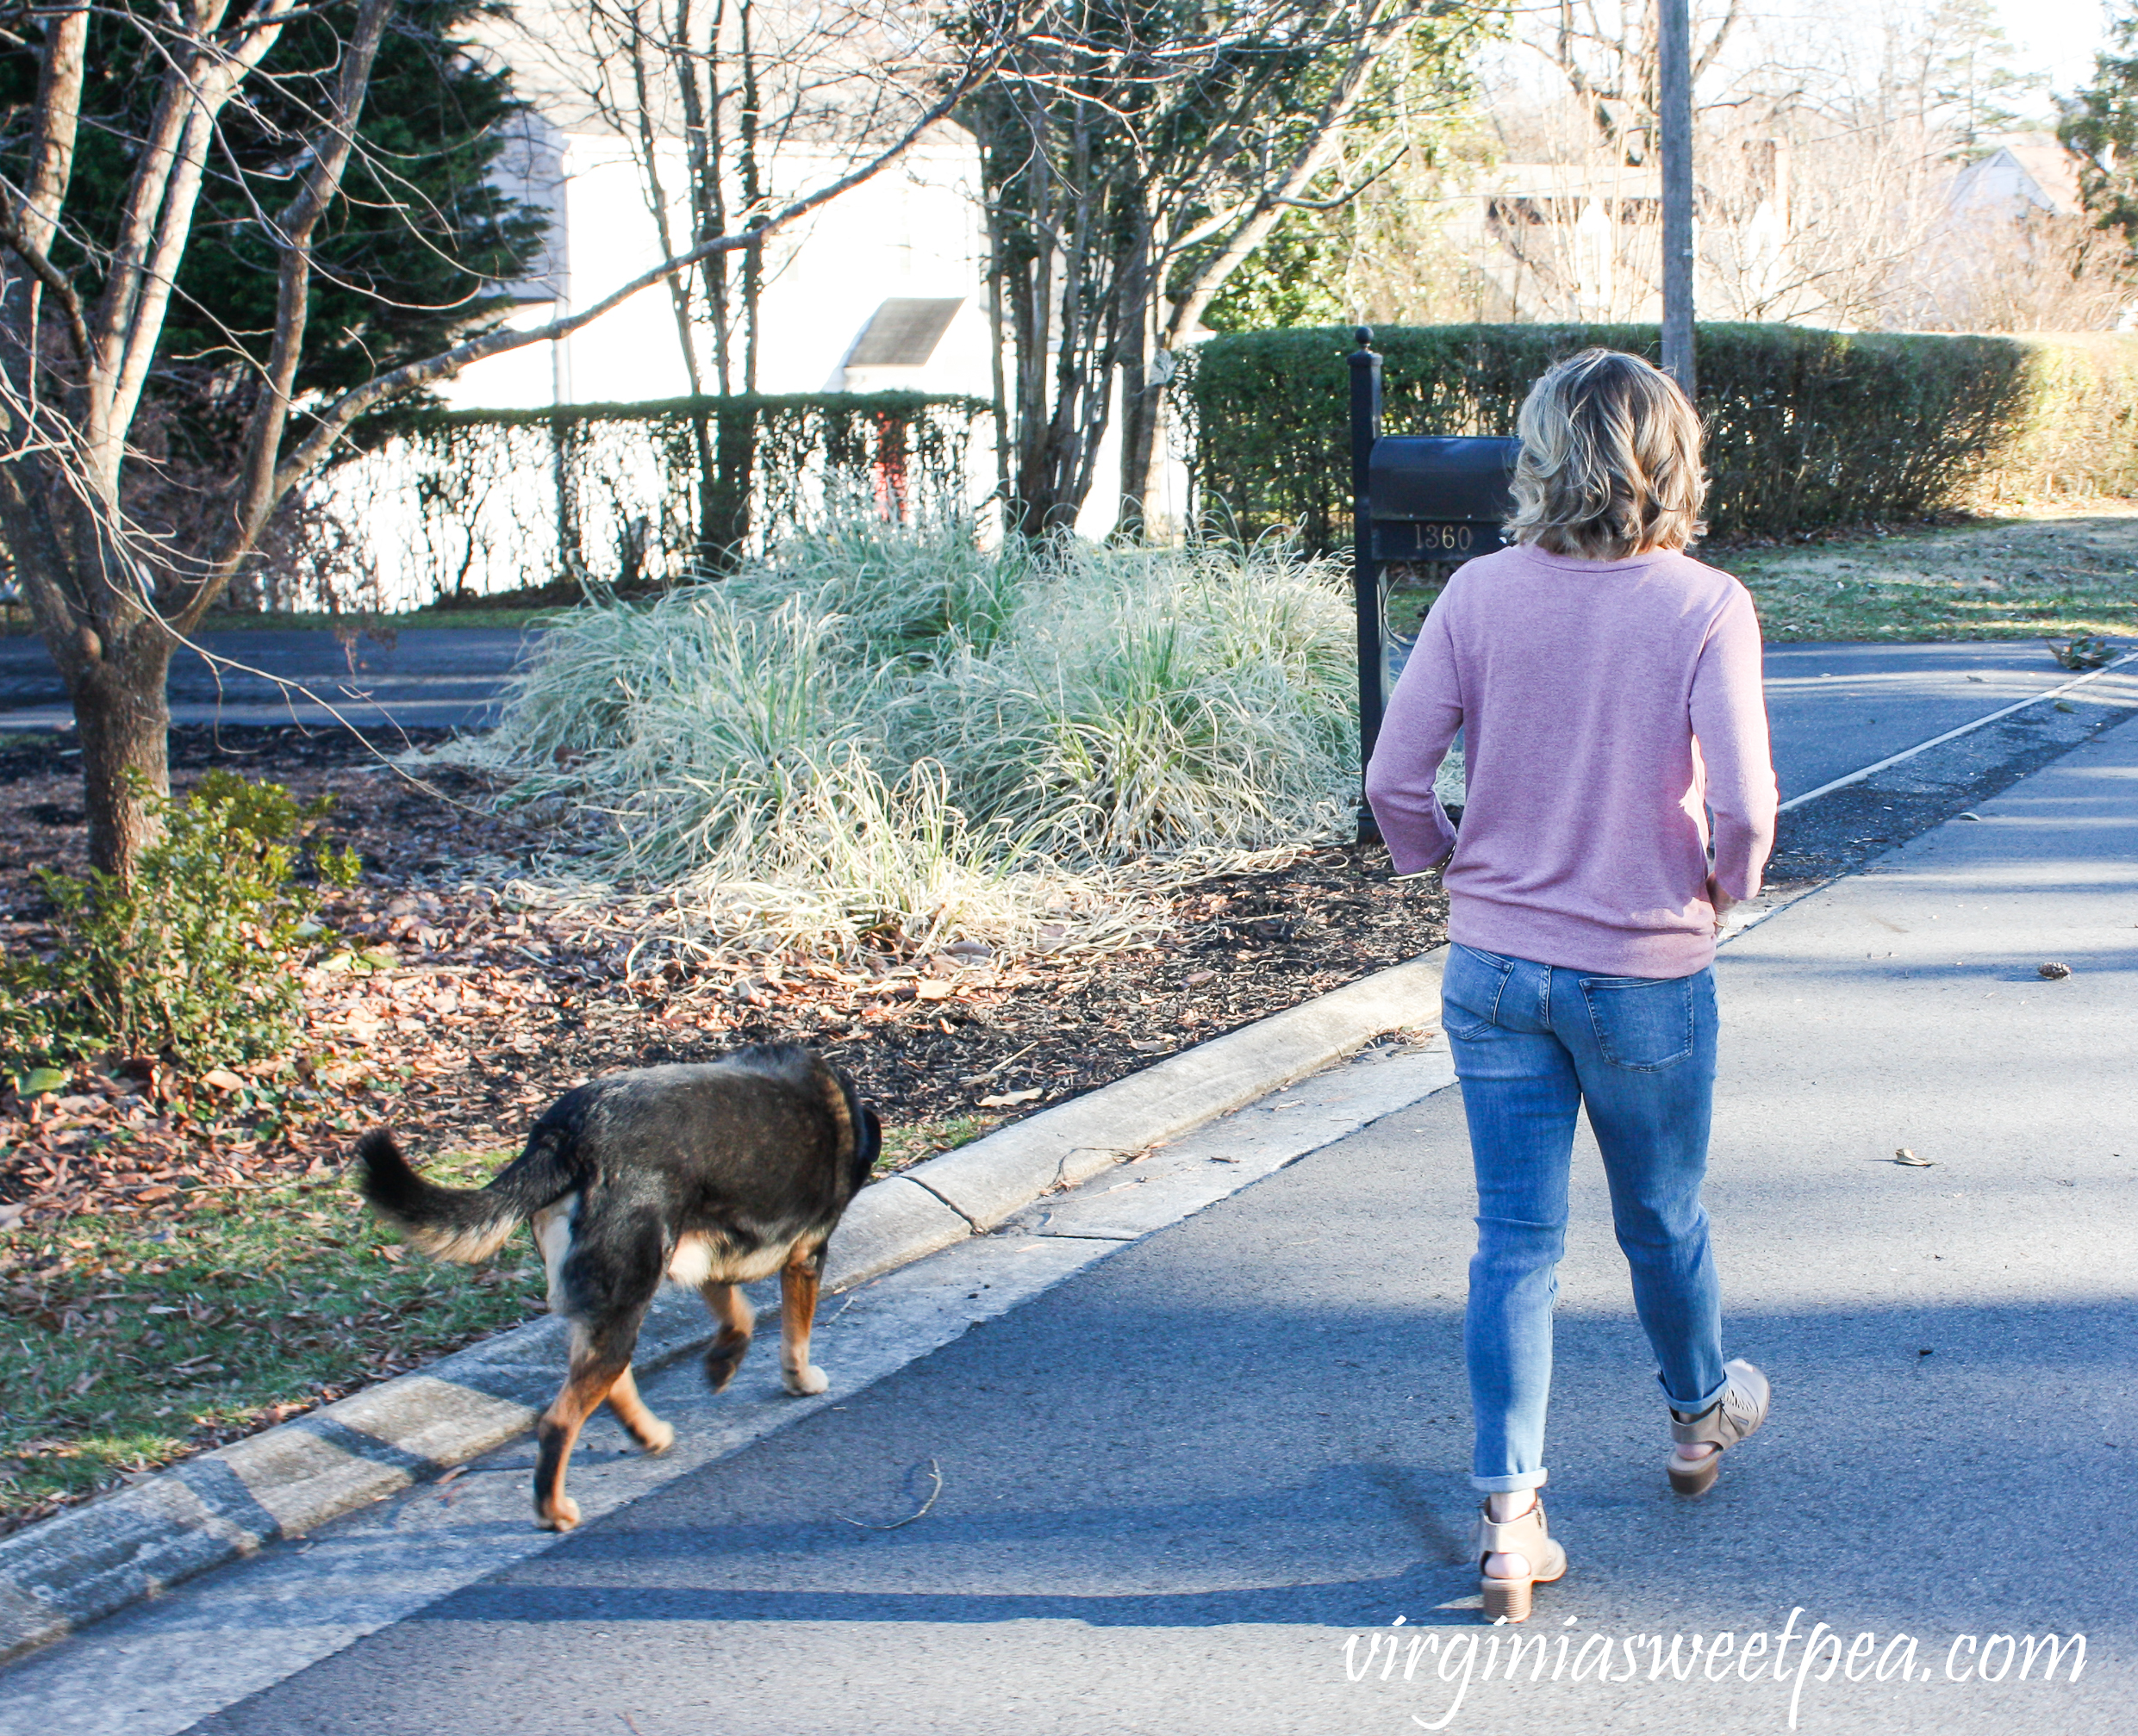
<point>1313,157</point>
<point>52,277</point>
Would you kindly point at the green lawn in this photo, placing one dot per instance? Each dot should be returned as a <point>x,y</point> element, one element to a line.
<point>2060,573</point>
<point>2055,575</point>
<point>130,1341</point>
<point>903,1147</point>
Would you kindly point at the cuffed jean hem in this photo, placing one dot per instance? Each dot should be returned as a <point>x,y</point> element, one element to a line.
<point>1698,1404</point>
<point>1509,1486</point>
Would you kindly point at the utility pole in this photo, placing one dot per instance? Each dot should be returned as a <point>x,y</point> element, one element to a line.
<point>1674,92</point>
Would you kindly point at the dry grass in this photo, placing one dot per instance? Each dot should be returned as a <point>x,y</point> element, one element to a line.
<point>2058,573</point>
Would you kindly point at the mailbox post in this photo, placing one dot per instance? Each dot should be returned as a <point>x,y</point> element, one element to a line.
<point>1365,569</point>
<point>1416,499</point>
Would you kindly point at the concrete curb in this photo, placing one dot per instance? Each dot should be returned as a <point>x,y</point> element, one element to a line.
<point>82,1565</point>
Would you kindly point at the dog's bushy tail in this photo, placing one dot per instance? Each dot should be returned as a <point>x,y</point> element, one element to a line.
<point>460,1224</point>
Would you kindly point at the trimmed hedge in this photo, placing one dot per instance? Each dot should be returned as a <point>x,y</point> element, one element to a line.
<point>461,504</point>
<point>1805,428</point>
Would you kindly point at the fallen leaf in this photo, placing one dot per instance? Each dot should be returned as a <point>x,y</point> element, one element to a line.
<point>40,1079</point>
<point>1196,979</point>
<point>934,988</point>
<point>2052,970</point>
<point>222,1079</point>
<point>1010,1099</point>
<point>1902,1154</point>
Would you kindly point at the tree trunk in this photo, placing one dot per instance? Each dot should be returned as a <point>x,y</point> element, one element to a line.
<point>123,715</point>
<point>1143,448</point>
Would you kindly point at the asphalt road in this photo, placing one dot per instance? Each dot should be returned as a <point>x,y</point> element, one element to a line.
<point>1177,1486</point>
<point>435,677</point>
<point>1834,707</point>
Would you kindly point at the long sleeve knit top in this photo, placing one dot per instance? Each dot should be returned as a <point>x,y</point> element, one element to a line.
<point>1605,706</point>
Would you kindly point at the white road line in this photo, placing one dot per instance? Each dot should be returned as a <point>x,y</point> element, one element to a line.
<point>1857,777</point>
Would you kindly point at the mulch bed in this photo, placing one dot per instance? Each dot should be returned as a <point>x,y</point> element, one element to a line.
<point>470,1011</point>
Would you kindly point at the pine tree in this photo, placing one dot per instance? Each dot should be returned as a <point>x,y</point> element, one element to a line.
<point>2100,124</point>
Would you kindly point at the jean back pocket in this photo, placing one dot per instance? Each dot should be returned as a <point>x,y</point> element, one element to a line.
<point>1470,986</point>
<point>1642,1024</point>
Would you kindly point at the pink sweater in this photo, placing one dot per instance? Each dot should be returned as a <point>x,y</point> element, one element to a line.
<point>1602,703</point>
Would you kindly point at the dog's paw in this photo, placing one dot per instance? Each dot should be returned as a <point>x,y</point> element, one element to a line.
<point>720,1367</point>
<point>807,1383</point>
<point>563,1515</point>
<point>658,1437</point>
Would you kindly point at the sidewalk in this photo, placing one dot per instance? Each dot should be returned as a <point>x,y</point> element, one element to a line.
<point>1174,1484</point>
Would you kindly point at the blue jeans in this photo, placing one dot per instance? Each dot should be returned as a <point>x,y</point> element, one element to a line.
<point>1532,1043</point>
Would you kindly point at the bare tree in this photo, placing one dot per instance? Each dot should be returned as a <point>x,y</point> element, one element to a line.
<point>1606,52</point>
<point>78,343</point>
<point>1827,152</point>
<point>726,106</point>
<point>1133,155</point>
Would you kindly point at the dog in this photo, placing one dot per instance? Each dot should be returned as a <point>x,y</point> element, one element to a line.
<point>713,1175</point>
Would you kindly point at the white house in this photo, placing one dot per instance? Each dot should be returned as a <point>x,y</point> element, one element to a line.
<point>882,287</point>
<point>879,289</point>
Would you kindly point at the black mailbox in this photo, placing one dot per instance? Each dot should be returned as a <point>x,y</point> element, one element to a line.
<point>1414,498</point>
<point>1437,498</point>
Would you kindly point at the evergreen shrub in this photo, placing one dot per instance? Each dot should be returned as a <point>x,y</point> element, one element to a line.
<point>192,958</point>
<point>1806,428</point>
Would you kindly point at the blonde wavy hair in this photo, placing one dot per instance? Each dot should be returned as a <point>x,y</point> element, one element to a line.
<point>1610,460</point>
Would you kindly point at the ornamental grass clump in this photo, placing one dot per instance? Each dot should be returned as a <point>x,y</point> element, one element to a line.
<point>892,735</point>
<point>1149,702</point>
<point>193,959</point>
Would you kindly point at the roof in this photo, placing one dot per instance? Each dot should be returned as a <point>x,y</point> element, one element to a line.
<point>2031,168</point>
<point>904,331</point>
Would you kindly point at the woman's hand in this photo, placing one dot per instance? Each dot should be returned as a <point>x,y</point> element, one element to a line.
<point>1722,901</point>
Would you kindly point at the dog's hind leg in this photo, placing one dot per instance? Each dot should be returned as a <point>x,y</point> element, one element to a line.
<point>739,1321</point>
<point>601,1360</point>
<point>799,1279</point>
<point>647,1429</point>
<point>593,1374</point>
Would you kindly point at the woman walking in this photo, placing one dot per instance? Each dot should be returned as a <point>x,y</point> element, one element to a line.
<point>1608,689</point>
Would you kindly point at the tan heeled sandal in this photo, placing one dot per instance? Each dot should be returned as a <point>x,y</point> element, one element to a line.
<point>1735,1416</point>
<point>1528,1538</point>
